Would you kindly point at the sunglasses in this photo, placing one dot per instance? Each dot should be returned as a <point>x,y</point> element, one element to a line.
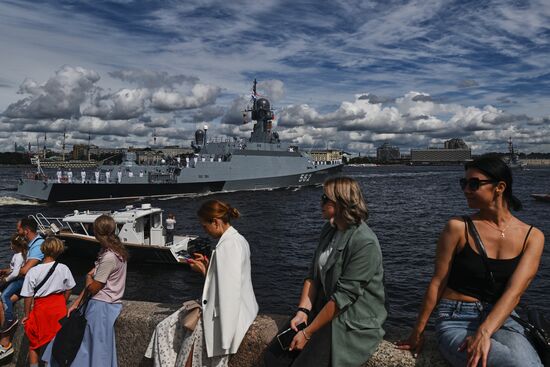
<point>474,183</point>
<point>324,199</point>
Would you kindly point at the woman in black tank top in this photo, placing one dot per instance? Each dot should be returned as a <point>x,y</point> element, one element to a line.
<point>473,324</point>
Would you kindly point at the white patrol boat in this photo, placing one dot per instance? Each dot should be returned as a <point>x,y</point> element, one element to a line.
<point>140,229</point>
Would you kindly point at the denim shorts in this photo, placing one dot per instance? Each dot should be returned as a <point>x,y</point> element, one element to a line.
<point>456,320</point>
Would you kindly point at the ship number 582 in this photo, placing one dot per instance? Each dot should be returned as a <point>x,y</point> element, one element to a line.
<point>304,177</point>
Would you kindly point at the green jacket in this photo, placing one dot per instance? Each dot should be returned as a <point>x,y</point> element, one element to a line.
<point>352,277</point>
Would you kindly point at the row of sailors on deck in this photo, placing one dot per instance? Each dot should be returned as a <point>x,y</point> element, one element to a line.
<point>68,176</point>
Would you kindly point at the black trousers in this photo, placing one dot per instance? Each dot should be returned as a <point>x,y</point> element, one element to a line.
<point>316,352</point>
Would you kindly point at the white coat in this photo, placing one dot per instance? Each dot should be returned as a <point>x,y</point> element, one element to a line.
<point>228,301</point>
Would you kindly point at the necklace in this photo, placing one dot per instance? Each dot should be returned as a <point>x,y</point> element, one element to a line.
<point>490,224</point>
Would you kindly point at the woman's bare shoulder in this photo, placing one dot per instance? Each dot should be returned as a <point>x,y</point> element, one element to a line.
<point>455,225</point>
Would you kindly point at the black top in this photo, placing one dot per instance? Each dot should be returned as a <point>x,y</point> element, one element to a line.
<point>469,275</point>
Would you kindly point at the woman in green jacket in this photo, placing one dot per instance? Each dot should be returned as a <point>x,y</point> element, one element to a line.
<point>342,299</point>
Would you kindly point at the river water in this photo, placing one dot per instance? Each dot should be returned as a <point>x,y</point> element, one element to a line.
<point>408,208</point>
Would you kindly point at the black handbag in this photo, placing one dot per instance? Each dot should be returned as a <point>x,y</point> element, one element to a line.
<point>69,337</point>
<point>537,329</point>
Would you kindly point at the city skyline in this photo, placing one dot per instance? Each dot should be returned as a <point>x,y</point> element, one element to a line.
<point>352,75</point>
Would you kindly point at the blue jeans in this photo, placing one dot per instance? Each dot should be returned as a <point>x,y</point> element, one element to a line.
<point>12,288</point>
<point>457,320</point>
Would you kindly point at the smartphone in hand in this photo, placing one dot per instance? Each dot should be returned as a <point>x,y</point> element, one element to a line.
<point>285,338</point>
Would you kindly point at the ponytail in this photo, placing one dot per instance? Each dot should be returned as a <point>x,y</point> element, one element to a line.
<point>216,209</point>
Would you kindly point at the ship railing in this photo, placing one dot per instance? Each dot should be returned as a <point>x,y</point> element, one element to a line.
<point>33,175</point>
<point>49,225</point>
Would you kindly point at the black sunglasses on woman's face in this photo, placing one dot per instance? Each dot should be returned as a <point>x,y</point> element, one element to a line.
<point>474,183</point>
<point>324,199</point>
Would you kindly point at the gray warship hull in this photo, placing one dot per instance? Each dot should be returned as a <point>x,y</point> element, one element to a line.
<point>203,178</point>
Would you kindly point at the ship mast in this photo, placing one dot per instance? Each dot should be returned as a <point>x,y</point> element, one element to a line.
<point>88,145</point>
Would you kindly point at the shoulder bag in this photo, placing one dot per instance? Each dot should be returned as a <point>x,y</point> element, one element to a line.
<point>537,329</point>
<point>68,339</point>
<point>48,275</point>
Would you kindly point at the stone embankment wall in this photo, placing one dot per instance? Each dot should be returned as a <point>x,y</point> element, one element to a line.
<point>138,320</point>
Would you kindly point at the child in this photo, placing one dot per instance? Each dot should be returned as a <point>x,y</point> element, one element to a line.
<point>50,300</point>
<point>11,274</point>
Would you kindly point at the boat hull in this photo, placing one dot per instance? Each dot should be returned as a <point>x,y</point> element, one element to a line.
<point>82,247</point>
<point>541,197</point>
<point>72,192</point>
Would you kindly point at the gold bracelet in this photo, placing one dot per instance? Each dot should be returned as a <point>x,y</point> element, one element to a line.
<point>305,335</point>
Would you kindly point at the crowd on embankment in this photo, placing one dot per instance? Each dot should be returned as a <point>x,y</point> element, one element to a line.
<point>483,265</point>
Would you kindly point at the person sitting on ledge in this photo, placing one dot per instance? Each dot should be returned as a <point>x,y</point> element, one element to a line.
<point>473,324</point>
<point>342,301</point>
<point>228,300</point>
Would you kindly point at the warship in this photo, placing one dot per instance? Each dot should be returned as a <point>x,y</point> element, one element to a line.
<point>513,160</point>
<point>257,163</point>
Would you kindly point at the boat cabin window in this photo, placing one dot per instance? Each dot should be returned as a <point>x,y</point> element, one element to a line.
<point>119,228</point>
<point>156,220</point>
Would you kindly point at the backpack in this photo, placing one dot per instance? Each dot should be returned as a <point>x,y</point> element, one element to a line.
<point>69,337</point>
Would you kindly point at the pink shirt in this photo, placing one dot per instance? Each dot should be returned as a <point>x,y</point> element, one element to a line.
<point>110,269</point>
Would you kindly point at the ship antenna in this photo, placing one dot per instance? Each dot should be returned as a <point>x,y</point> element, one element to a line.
<point>88,145</point>
<point>254,94</point>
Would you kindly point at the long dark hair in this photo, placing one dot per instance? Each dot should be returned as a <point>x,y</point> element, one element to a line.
<point>494,167</point>
<point>104,230</point>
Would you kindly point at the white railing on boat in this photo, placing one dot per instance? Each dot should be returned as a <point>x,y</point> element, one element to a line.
<point>54,224</point>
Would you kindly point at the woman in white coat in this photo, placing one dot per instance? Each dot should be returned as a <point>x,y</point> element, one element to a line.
<point>228,303</point>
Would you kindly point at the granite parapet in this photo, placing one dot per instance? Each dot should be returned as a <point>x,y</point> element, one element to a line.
<point>137,322</point>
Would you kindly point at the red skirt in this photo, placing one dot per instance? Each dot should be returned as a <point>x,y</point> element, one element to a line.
<point>43,321</point>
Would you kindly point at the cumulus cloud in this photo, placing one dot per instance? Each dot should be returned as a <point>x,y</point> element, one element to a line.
<point>123,104</point>
<point>374,99</point>
<point>59,97</point>
<point>234,114</point>
<point>273,89</point>
<point>169,100</point>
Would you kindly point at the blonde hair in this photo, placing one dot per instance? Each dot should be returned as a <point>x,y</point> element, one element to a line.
<point>216,209</point>
<point>104,231</point>
<point>346,193</point>
<point>20,244</point>
<point>52,247</point>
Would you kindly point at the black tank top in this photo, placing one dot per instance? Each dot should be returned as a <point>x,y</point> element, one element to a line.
<point>469,275</point>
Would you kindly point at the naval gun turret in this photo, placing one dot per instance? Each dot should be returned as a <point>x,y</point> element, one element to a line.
<point>200,139</point>
<point>262,113</point>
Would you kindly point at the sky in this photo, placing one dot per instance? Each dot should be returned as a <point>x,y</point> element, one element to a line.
<point>342,74</point>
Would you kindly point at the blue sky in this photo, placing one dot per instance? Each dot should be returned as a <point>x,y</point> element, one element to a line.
<point>350,74</point>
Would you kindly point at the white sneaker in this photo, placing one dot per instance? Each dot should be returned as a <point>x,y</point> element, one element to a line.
<point>6,351</point>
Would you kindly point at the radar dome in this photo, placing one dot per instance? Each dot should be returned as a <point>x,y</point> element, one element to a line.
<point>262,104</point>
<point>199,137</point>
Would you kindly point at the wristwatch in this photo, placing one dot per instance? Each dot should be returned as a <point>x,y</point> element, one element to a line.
<point>304,310</point>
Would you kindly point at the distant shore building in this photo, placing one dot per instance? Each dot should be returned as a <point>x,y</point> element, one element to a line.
<point>454,151</point>
<point>102,151</point>
<point>326,155</point>
<point>388,153</point>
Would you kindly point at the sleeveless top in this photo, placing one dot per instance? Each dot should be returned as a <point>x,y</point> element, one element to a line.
<point>469,274</point>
